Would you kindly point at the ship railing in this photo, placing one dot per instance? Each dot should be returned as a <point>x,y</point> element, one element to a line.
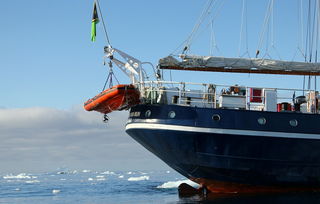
<point>229,97</point>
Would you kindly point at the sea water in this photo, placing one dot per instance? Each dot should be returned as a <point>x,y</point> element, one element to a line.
<point>87,186</point>
<point>99,187</point>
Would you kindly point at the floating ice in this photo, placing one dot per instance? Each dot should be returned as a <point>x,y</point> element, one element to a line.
<point>143,173</point>
<point>175,184</point>
<point>121,176</point>
<point>108,172</point>
<point>19,176</point>
<point>33,181</point>
<point>86,171</point>
<point>130,172</point>
<point>100,178</point>
<point>140,178</point>
<point>56,191</point>
<point>168,172</point>
<point>90,179</point>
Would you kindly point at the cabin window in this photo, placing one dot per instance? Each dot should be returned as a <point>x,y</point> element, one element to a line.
<point>293,123</point>
<point>148,114</point>
<point>172,114</point>
<point>262,121</point>
<point>216,117</point>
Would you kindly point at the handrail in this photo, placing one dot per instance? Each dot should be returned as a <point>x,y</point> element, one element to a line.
<point>223,85</point>
<point>224,96</point>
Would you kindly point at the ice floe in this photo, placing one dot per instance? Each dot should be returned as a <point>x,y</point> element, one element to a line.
<point>175,184</point>
<point>33,181</point>
<point>108,173</point>
<point>140,178</point>
<point>56,191</point>
<point>143,173</point>
<point>97,178</point>
<point>100,178</point>
<point>19,176</point>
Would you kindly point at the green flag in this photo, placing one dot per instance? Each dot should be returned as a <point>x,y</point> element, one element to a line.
<point>95,20</point>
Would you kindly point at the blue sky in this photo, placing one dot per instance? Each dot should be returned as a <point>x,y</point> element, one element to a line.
<point>47,58</point>
<point>49,67</point>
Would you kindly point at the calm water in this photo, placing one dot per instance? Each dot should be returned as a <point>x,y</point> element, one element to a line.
<point>91,187</point>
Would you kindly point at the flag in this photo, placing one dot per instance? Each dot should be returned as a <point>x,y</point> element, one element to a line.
<point>95,20</point>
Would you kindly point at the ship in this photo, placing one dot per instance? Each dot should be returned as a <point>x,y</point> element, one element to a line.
<point>227,138</point>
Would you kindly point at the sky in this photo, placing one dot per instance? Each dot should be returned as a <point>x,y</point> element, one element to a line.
<point>49,67</point>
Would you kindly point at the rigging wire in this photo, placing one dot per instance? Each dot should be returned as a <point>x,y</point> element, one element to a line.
<point>266,28</point>
<point>308,34</point>
<point>213,43</point>
<point>212,40</point>
<point>316,30</point>
<point>311,47</point>
<point>244,28</point>
<point>312,36</point>
<point>208,10</point>
<point>267,34</point>
<point>301,33</point>
<point>104,26</point>
<point>204,14</point>
<point>210,24</point>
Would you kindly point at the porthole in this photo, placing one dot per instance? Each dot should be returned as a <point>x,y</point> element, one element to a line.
<point>293,123</point>
<point>172,114</point>
<point>262,121</point>
<point>216,117</point>
<point>148,113</point>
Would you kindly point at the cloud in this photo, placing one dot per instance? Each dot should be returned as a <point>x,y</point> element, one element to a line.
<point>43,139</point>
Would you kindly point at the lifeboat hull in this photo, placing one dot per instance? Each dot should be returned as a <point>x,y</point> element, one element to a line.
<point>118,97</point>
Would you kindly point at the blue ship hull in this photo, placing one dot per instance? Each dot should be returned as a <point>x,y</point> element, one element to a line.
<point>232,150</point>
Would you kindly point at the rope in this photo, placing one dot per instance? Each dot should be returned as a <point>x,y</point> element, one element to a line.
<point>266,28</point>
<point>243,28</point>
<point>308,34</point>
<point>301,33</point>
<point>202,17</point>
<point>109,78</point>
<point>212,40</point>
<point>208,10</point>
<point>104,26</point>
<point>210,24</point>
<point>105,84</point>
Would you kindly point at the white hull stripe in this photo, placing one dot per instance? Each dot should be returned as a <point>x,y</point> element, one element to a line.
<point>151,126</point>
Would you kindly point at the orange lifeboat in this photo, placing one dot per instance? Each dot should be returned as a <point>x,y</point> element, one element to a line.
<point>118,97</point>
